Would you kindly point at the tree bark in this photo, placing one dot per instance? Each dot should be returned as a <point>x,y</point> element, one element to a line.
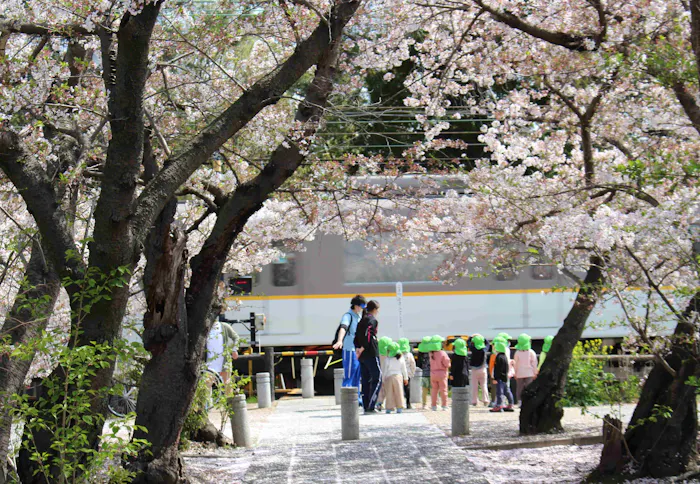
<point>29,315</point>
<point>170,379</point>
<point>541,411</point>
<point>661,446</point>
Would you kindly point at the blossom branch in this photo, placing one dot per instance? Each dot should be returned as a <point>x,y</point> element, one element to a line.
<point>578,43</point>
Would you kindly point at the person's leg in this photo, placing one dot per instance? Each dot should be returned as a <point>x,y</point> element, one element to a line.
<point>484,382</point>
<point>407,393</point>
<point>509,394</point>
<point>425,389</point>
<point>518,389</point>
<point>500,388</point>
<point>347,367</point>
<point>443,391</point>
<point>434,389</point>
<point>366,381</point>
<point>475,387</point>
<point>375,382</point>
<point>355,374</point>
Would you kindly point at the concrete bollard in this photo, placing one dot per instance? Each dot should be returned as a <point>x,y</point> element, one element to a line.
<point>349,413</point>
<point>416,389</point>
<point>461,399</point>
<point>264,398</point>
<point>338,375</point>
<point>239,421</point>
<point>307,378</point>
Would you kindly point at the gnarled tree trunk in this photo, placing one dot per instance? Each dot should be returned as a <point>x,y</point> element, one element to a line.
<point>541,411</point>
<point>170,378</point>
<point>663,446</point>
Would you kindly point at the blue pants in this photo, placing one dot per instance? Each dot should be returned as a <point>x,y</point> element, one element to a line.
<point>371,382</point>
<point>351,372</point>
<point>503,389</point>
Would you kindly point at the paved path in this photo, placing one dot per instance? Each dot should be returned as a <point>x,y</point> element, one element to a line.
<point>301,442</point>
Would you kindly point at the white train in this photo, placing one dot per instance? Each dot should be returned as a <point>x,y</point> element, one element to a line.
<point>305,294</point>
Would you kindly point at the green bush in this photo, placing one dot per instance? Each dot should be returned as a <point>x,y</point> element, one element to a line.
<point>588,384</point>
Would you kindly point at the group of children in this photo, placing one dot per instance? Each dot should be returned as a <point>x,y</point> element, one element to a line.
<point>483,361</point>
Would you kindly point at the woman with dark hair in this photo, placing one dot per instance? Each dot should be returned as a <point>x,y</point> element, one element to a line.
<point>368,353</point>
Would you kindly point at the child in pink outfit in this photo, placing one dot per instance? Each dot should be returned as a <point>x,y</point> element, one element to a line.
<point>439,367</point>
<point>525,363</point>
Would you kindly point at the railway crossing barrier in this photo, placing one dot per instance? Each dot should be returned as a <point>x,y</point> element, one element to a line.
<point>239,421</point>
<point>349,414</point>
<point>338,375</point>
<point>307,378</point>
<point>415,383</point>
<point>461,397</point>
<point>264,397</point>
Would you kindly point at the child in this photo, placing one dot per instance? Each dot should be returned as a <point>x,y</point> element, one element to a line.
<point>460,365</point>
<point>395,378</point>
<point>477,366</point>
<point>500,376</point>
<point>405,348</point>
<point>382,345</point>
<point>511,366</point>
<point>439,366</point>
<point>525,363</point>
<point>424,361</point>
<point>545,349</point>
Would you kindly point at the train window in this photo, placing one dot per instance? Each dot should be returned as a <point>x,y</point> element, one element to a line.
<point>505,272</point>
<point>284,271</point>
<point>363,265</point>
<point>542,272</point>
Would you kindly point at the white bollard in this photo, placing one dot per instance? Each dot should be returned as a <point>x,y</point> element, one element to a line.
<point>461,399</point>
<point>239,421</point>
<point>338,375</point>
<point>349,414</point>
<point>263,389</point>
<point>416,389</point>
<point>307,378</point>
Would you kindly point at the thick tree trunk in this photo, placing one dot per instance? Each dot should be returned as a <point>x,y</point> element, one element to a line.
<point>662,446</point>
<point>170,377</point>
<point>30,312</point>
<point>541,412</point>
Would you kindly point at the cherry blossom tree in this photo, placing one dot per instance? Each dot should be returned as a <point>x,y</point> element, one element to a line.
<point>128,45</point>
<point>592,167</point>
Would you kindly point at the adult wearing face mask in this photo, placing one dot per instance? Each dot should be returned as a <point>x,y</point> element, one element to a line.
<point>345,341</point>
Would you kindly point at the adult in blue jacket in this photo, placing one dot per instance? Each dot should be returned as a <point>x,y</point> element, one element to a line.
<point>346,342</point>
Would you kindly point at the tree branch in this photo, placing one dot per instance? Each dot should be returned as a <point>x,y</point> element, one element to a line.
<point>261,94</point>
<point>34,184</point>
<point>67,30</point>
<point>688,103</point>
<point>578,43</point>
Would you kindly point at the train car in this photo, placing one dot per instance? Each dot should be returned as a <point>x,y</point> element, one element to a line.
<point>303,296</point>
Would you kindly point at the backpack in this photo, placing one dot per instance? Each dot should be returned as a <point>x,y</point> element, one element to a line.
<point>337,331</point>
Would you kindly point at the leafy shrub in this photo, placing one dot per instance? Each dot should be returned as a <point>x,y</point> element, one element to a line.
<point>588,384</point>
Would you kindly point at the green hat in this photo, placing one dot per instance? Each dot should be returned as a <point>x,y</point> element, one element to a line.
<point>500,345</point>
<point>424,345</point>
<point>393,349</point>
<point>404,345</point>
<point>460,347</point>
<point>478,341</point>
<point>547,343</point>
<point>504,336</point>
<point>436,343</point>
<point>523,342</point>
<point>382,344</point>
